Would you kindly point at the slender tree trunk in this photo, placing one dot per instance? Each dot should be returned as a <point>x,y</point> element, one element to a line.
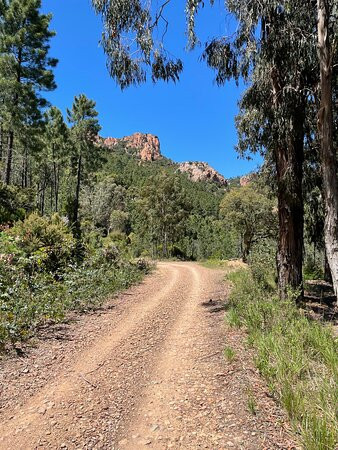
<point>43,196</point>
<point>26,168</point>
<point>8,172</point>
<point>55,181</point>
<point>77,193</point>
<point>24,173</point>
<point>51,197</point>
<point>246,247</point>
<point>165,244</point>
<point>1,144</point>
<point>56,186</point>
<point>327,152</point>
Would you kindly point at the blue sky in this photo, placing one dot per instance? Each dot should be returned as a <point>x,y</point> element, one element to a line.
<point>194,119</point>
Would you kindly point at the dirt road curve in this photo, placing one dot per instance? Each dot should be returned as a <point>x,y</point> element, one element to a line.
<point>146,372</point>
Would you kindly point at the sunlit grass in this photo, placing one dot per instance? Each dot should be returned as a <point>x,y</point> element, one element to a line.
<point>297,356</point>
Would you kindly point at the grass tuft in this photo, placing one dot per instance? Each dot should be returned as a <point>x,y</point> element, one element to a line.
<point>252,404</point>
<point>229,354</point>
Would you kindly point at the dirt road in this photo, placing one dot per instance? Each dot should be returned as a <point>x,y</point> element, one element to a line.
<point>146,372</point>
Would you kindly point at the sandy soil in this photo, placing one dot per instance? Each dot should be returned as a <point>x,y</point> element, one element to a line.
<point>147,371</point>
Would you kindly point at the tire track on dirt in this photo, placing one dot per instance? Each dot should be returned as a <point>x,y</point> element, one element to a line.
<point>151,375</point>
<point>108,377</point>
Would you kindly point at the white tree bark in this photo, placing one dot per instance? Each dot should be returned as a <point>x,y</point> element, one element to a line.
<point>327,152</point>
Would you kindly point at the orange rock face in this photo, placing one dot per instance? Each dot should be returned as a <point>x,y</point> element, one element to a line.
<point>247,179</point>
<point>148,145</point>
<point>201,171</point>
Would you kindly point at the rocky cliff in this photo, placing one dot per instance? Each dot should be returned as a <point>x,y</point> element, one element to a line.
<point>201,171</point>
<point>148,148</point>
<point>147,145</point>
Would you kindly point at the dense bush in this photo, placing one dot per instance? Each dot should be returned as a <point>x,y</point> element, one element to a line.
<point>29,300</point>
<point>14,203</point>
<point>41,278</point>
<point>39,243</point>
<point>297,356</point>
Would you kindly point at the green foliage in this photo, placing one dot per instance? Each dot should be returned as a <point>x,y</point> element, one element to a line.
<point>161,211</point>
<point>53,161</point>
<point>14,203</point>
<point>263,263</point>
<point>41,278</point>
<point>313,269</point>
<point>46,244</point>
<point>297,356</point>
<point>24,71</point>
<point>134,18</point>
<point>30,301</point>
<point>252,214</point>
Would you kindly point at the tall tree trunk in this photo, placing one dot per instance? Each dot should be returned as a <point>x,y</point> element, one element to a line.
<point>290,214</point>
<point>327,152</point>
<point>8,172</point>
<point>165,243</point>
<point>289,159</point>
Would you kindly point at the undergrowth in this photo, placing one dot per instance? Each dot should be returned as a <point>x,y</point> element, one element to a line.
<point>33,300</point>
<point>296,355</point>
<point>45,272</point>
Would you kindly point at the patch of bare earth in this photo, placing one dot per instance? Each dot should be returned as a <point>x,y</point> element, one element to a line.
<point>147,371</point>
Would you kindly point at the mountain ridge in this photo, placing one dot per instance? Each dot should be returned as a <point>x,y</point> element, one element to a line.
<point>148,148</point>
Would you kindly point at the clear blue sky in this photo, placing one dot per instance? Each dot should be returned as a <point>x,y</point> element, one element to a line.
<point>194,119</point>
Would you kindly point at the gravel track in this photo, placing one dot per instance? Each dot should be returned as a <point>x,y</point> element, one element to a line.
<point>146,371</point>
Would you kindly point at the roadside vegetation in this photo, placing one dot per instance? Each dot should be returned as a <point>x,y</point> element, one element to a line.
<point>42,276</point>
<point>294,353</point>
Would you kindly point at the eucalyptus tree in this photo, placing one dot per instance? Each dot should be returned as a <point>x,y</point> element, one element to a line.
<point>274,113</point>
<point>252,214</point>
<point>274,48</point>
<point>328,61</point>
<point>85,155</point>
<point>25,68</point>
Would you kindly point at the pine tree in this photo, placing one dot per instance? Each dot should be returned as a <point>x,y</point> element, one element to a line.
<point>85,155</point>
<point>54,156</point>
<point>25,69</point>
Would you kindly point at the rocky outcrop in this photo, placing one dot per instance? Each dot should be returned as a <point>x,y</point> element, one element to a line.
<point>147,145</point>
<point>148,148</point>
<point>201,171</point>
<point>247,179</point>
